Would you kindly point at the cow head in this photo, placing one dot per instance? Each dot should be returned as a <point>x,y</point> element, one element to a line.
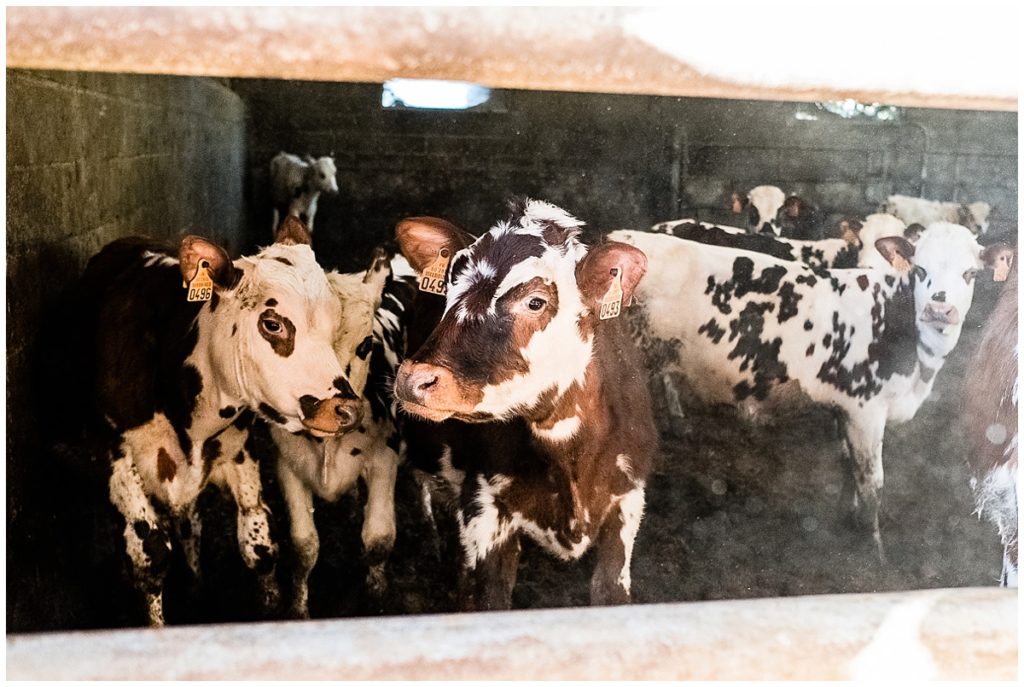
<point>942,266</point>
<point>974,216</point>
<point>323,175</point>
<point>360,296</point>
<point>269,329</point>
<point>765,205</point>
<point>521,313</point>
<point>876,226</point>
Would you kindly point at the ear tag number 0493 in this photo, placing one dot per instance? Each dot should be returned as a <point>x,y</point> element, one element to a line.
<point>201,286</point>
<point>432,280</point>
<point>611,303</point>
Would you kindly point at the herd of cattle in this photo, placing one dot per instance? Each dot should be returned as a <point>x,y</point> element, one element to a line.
<point>516,366</point>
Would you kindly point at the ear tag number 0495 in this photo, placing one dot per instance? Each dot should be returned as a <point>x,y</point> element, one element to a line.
<point>611,303</point>
<point>201,286</point>
<point>432,279</point>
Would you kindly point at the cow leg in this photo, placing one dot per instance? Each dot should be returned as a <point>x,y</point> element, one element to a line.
<point>188,526</point>
<point>305,539</point>
<point>610,584</point>
<point>146,540</point>
<point>491,549</point>
<point>378,533</point>
<point>864,440</point>
<point>240,472</point>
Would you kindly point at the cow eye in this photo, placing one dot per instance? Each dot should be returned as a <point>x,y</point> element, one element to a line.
<point>536,304</point>
<point>270,326</point>
<point>969,275</point>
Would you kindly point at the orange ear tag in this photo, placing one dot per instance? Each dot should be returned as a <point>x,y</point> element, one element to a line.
<point>611,303</point>
<point>1001,270</point>
<point>432,279</point>
<point>201,286</point>
<point>901,264</point>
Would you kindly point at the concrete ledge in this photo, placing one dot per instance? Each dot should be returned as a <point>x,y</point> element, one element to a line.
<point>956,634</point>
<point>606,49</point>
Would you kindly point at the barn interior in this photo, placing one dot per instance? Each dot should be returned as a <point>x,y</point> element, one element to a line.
<point>734,510</point>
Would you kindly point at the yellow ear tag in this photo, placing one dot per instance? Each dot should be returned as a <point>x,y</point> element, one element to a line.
<point>201,286</point>
<point>432,279</point>
<point>611,303</point>
<point>1001,270</point>
<point>901,264</point>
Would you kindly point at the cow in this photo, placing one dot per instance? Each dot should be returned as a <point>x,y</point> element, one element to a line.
<point>821,254</point>
<point>178,371</point>
<point>296,184</point>
<point>770,211</point>
<point>544,420</point>
<point>871,229</point>
<point>912,210</point>
<point>370,344</point>
<point>759,333</point>
<point>989,423</point>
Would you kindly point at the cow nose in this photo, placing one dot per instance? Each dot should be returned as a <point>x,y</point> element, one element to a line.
<point>939,297</point>
<point>942,313</point>
<point>421,383</point>
<point>331,415</point>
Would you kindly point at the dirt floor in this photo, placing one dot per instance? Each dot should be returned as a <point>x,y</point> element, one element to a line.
<point>733,511</point>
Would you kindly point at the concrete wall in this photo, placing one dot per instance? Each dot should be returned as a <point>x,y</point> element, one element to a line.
<point>616,161</point>
<point>90,158</point>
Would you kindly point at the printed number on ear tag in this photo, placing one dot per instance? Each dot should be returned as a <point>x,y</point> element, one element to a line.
<point>201,286</point>
<point>611,303</point>
<point>432,280</point>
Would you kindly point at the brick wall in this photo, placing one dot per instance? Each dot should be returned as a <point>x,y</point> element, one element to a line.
<point>90,158</point>
<point>616,161</point>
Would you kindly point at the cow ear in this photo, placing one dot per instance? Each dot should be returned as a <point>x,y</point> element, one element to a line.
<point>999,258</point>
<point>195,250</point>
<point>293,231</point>
<point>849,231</point>
<point>421,239</point>
<point>377,273</point>
<point>913,232</point>
<point>793,206</point>
<point>595,272</point>
<point>737,202</point>
<point>898,251</point>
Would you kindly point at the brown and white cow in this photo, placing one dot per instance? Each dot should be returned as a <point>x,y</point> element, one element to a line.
<point>990,423</point>
<point>546,425</point>
<point>177,384</point>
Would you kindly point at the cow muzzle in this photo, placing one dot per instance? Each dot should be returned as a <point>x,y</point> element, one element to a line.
<point>331,416</point>
<point>940,314</point>
<point>430,391</point>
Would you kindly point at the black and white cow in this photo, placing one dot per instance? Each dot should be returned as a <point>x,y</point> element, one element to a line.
<point>757,332</point>
<point>545,426</point>
<point>176,384</point>
<point>838,253</point>
<point>770,211</point>
<point>922,211</point>
<point>370,344</point>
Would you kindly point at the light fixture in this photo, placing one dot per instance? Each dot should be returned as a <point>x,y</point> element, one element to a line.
<point>433,94</point>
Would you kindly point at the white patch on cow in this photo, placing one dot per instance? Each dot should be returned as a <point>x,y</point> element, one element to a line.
<point>152,259</point>
<point>485,530</point>
<point>146,443</point>
<point>996,499</point>
<point>631,509</point>
<point>768,200</point>
<point>625,465</point>
<point>563,430</point>
<point>538,211</point>
<point>548,538</point>
<point>896,651</point>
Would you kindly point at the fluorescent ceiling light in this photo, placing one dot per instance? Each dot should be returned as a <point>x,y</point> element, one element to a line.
<point>433,94</point>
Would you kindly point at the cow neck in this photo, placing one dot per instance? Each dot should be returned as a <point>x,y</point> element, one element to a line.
<point>219,390</point>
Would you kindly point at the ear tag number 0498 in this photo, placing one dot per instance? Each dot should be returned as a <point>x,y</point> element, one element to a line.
<point>432,280</point>
<point>201,286</point>
<point>611,303</point>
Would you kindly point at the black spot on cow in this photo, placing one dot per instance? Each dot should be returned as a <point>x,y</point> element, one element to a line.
<point>925,348</point>
<point>227,412</point>
<point>214,301</point>
<point>759,358</point>
<point>264,559</point>
<point>234,329</point>
<point>141,528</point>
<point>283,339</point>
<point>243,420</point>
<point>362,430</point>
<point>364,348</point>
<point>808,325</point>
<point>156,545</point>
<point>356,451</point>
<point>342,385</point>
<point>272,414</point>
<point>826,340</point>
<point>240,457</point>
<point>211,449</point>
<point>810,351</point>
<point>348,369</point>
<point>927,373</point>
<point>394,442</point>
<point>846,258</point>
<point>711,328</point>
<point>715,236</point>
<point>863,282</point>
<point>286,261</point>
<point>788,299</point>
<point>271,302</point>
<point>889,280</point>
<point>744,282</point>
